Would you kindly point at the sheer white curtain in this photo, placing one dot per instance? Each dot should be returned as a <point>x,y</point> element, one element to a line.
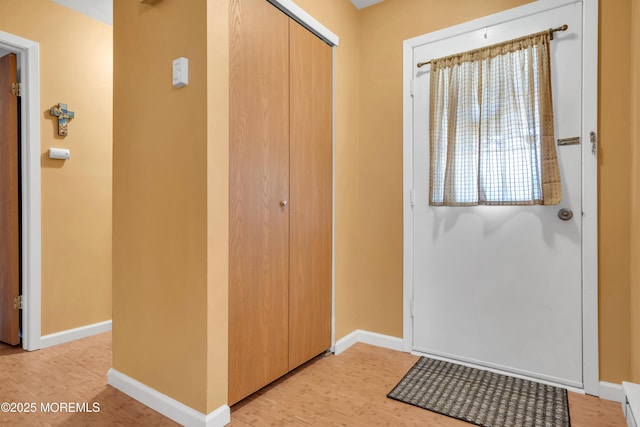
<point>491,126</point>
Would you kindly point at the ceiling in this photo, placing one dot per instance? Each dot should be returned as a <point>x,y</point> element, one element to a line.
<point>102,10</point>
<point>360,4</point>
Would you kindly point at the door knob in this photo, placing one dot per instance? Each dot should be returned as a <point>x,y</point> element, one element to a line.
<point>283,203</point>
<point>565,214</point>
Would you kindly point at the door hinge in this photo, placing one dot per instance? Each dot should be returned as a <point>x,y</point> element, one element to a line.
<point>17,302</point>
<point>411,307</point>
<point>594,143</point>
<point>412,197</point>
<point>411,87</point>
<point>16,89</point>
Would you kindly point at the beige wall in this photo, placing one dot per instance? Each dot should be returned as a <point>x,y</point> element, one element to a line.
<point>76,69</point>
<point>160,199</point>
<point>614,173</point>
<point>635,212</point>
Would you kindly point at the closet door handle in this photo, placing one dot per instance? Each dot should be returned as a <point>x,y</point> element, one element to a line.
<point>283,203</point>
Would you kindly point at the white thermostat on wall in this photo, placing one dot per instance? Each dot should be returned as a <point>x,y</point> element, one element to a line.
<point>59,153</point>
<point>180,72</point>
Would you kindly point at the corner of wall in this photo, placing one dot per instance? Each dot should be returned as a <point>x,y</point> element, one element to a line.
<point>635,196</point>
<point>160,264</point>
<point>217,201</point>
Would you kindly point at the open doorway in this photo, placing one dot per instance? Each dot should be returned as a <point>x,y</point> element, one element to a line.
<point>10,187</point>
<point>25,246</point>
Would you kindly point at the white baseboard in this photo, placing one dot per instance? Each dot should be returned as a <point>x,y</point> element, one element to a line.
<point>166,405</point>
<point>347,341</point>
<point>366,337</point>
<point>380,340</point>
<point>74,334</point>
<point>610,391</point>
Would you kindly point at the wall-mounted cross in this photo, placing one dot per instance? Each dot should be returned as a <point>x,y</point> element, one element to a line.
<point>63,115</point>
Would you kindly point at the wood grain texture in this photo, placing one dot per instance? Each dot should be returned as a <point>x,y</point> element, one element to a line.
<point>9,203</point>
<point>258,181</point>
<point>311,195</point>
<point>350,390</point>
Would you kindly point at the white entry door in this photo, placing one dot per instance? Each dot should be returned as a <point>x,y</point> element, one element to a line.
<point>499,286</point>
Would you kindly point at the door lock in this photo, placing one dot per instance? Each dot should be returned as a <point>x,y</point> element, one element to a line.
<point>565,214</point>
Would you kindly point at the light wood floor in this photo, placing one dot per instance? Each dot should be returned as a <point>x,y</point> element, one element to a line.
<point>72,372</point>
<point>350,390</point>
<point>346,390</point>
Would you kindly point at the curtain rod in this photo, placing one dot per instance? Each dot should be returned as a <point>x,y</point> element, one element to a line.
<point>565,27</point>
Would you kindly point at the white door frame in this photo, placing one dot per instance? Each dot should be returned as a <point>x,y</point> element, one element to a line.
<point>28,74</point>
<point>589,169</point>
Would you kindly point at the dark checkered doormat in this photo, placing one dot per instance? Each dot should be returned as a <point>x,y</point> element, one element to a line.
<point>480,397</point>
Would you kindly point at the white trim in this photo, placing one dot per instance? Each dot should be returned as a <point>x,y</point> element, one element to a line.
<point>347,341</point>
<point>610,391</point>
<point>589,170</point>
<point>590,355</point>
<point>166,405</point>
<point>371,338</point>
<point>407,188</point>
<point>333,198</point>
<point>380,340</point>
<point>306,20</point>
<point>29,69</point>
<point>219,417</point>
<point>74,334</point>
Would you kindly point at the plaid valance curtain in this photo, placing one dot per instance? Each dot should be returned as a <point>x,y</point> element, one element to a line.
<point>491,126</point>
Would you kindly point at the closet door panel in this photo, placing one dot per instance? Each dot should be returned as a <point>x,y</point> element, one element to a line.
<point>258,182</point>
<point>311,196</point>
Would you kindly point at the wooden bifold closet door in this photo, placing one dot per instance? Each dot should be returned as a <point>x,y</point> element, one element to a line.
<point>280,196</point>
